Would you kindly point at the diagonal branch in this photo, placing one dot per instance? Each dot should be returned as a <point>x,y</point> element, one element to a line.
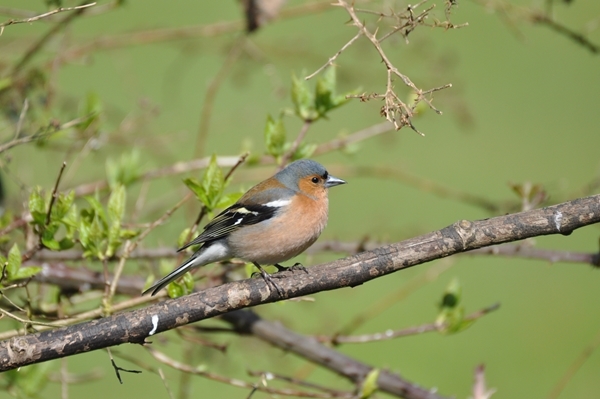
<point>138,325</point>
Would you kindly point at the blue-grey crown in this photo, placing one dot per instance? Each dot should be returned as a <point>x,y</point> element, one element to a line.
<point>299,169</point>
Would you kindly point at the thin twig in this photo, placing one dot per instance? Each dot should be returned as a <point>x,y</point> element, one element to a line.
<point>568,32</point>
<point>132,244</point>
<point>575,367</point>
<point>25,321</point>
<point>270,376</point>
<point>391,334</point>
<point>356,137</point>
<point>394,110</point>
<point>185,32</point>
<point>55,193</point>
<point>37,46</point>
<point>175,169</point>
<point>334,57</point>
<point>40,16</point>
<point>200,371</point>
<point>480,390</point>
<point>211,94</point>
<point>165,383</point>
<point>290,153</point>
<point>48,131</point>
<point>21,117</point>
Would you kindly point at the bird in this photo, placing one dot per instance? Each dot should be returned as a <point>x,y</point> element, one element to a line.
<point>271,223</point>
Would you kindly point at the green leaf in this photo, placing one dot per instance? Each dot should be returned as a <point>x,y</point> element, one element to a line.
<point>127,234</point>
<point>62,205</point>
<point>213,183</point>
<point>275,136</point>
<point>324,91</point>
<point>175,290</point>
<point>93,229</point>
<point>5,82</point>
<point>183,237</point>
<point>369,385</point>
<point>26,272</point>
<point>452,295</point>
<point>195,186</point>
<point>66,243</point>
<point>90,110</point>
<point>27,382</point>
<point>325,97</point>
<point>302,99</point>
<point>250,269</point>
<point>37,207</point>
<point>227,200</point>
<point>452,313</point>
<point>49,241</point>
<point>70,221</point>
<point>116,204</point>
<point>188,282</point>
<point>13,263</point>
<point>304,150</point>
<point>124,171</point>
<point>97,211</point>
<point>116,210</point>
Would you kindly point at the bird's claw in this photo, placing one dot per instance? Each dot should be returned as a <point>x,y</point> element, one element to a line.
<point>296,266</point>
<point>268,279</point>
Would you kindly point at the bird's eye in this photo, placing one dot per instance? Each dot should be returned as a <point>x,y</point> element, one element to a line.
<point>315,179</point>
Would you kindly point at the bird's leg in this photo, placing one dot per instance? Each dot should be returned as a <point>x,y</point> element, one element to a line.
<point>268,279</point>
<point>296,266</point>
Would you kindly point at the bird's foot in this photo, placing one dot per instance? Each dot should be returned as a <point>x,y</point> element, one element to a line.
<point>296,266</point>
<point>269,280</point>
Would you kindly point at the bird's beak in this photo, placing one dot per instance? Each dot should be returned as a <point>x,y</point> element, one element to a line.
<point>333,181</point>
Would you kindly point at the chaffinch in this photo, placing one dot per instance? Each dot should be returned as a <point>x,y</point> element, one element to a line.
<point>274,221</point>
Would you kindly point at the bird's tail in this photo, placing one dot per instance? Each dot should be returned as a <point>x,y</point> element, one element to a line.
<point>174,275</point>
<point>212,252</point>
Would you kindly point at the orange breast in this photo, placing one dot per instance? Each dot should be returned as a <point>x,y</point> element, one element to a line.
<point>282,237</point>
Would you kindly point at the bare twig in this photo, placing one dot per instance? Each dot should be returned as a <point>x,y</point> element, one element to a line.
<point>427,186</point>
<point>509,12</point>
<point>394,297</point>
<point>40,16</point>
<point>21,116</point>
<point>132,244</point>
<point>180,33</point>
<point>175,169</point>
<point>334,57</point>
<point>211,93</point>
<point>37,46</point>
<point>577,37</point>
<point>575,367</point>
<point>356,137</point>
<point>55,193</point>
<point>480,390</point>
<point>25,322</point>
<point>394,110</point>
<point>391,334</point>
<point>46,132</point>
<point>201,371</point>
<point>267,375</point>
<point>290,153</point>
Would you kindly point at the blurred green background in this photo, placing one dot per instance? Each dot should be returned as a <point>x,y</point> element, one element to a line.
<point>523,108</point>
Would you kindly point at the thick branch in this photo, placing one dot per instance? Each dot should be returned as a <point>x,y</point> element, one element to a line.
<point>135,326</point>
